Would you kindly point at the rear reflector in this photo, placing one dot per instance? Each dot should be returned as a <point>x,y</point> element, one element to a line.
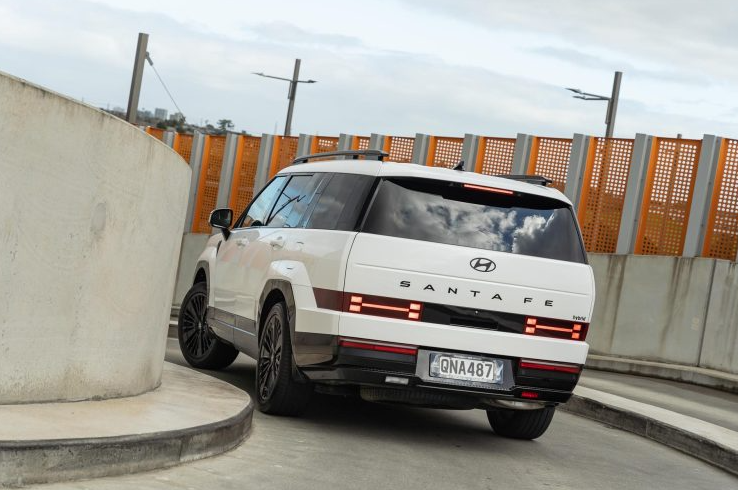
<point>549,366</point>
<point>378,346</point>
<point>529,394</point>
<point>488,189</point>
<point>555,328</point>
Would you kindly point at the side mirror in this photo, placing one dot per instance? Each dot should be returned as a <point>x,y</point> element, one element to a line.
<point>221,219</point>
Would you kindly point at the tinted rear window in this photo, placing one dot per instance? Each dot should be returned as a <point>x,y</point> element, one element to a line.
<point>340,202</point>
<point>443,212</point>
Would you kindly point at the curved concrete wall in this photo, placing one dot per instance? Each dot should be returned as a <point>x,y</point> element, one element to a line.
<point>91,218</point>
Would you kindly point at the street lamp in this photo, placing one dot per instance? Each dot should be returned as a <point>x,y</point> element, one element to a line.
<point>291,94</point>
<point>612,102</point>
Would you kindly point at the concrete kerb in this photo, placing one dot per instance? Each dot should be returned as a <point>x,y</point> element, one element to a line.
<point>708,442</point>
<point>708,378</point>
<point>25,462</point>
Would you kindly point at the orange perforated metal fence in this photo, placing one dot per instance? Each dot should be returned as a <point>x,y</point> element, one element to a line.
<point>207,190</point>
<point>399,148</point>
<point>323,144</point>
<point>721,234</point>
<point>244,172</point>
<point>183,145</point>
<point>360,143</point>
<point>444,151</point>
<point>549,157</point>
<point>155,132</point>
<point>667,196</point>
<point>284,151</point>
<point>603,192</point>
<point>495,155</point>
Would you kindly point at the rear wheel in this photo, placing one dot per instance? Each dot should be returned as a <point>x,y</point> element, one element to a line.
<point>521,424</point>
<point>277,392</point>
<point>200,347</point>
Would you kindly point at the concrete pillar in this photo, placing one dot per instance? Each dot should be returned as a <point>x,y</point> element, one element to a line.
<point>226,170</point>
<point>168,138</point>
<point>198,144</point>
<point>266,151</point>
<point>577,167</point>
<point>704,186</point>
<point>521,157</point>
<point>634,194</point>
<point>420,148</point>
<point>304,145</point>
<point>469,152</point>
<point>376,141</point>
<point>345,142</point>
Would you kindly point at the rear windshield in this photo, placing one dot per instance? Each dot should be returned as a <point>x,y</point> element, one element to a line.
<point>446,212</point>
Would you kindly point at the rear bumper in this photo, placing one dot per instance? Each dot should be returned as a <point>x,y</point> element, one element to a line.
<point>398,372</point>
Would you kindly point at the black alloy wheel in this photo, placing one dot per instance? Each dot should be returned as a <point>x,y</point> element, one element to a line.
<point>200,346</point>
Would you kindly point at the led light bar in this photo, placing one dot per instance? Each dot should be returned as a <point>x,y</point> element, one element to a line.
<point>489,189</point>
<point>374,345</point>
<point>555,328</point>
<point>549,366</point>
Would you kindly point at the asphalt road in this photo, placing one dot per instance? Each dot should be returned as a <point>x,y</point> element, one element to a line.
<point>350,444</point>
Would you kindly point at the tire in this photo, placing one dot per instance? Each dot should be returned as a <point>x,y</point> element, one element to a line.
<point>200,347</point>
<point>277,393</point>
<point>521,424</point>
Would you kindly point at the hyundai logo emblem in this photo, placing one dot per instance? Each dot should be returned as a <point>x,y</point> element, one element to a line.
<point>482,265</point>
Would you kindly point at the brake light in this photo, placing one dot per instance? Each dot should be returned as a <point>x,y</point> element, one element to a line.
<point>386,307</point>
<point>378,346</point>
<point>555,328</point>
<point>488,189</point>
<point>550,366</point>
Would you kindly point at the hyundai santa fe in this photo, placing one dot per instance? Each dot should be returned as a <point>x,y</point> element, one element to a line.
<point>399,283</point>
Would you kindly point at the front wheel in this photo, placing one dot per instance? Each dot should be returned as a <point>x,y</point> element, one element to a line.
<point>199,345</point>
<point>521,424</point>
<point>277,392</point>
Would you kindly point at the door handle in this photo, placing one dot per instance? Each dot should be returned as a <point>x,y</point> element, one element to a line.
<point>241,242</point>
<point>277,242</point>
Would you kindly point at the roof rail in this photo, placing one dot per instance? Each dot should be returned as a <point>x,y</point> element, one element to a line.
<point>529,179</point>
<point>354,154</point>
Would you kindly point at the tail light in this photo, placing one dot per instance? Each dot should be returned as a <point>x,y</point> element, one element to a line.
<point>381,306</point>
<point>549,366</point>
<point>489,189</point>
<point>555,328</point>
<point>377,346</point>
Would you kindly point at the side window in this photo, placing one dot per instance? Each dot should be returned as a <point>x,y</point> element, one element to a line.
<point>260,207</point>
<point>293,201</point>
<point>339,205</point>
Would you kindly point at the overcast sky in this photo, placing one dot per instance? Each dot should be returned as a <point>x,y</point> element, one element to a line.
<point>444,67</point>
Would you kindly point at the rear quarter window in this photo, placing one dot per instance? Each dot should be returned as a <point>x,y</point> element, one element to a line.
<point>446,212</point>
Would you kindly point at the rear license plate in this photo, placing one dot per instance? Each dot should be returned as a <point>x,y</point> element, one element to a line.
<point>466,368</point>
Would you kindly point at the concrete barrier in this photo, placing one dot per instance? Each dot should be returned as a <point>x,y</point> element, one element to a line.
<point>91,218</point>
<point>674,310</point>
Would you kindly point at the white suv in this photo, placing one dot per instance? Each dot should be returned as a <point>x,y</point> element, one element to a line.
<point>400,283</point>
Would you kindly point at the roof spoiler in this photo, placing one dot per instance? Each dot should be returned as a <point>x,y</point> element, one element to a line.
<point>529,179</point>
<point>353,154</point>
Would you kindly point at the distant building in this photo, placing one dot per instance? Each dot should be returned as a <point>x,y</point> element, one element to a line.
<point>178,116</point>
<point>160,113</point>
<point>144,114</point>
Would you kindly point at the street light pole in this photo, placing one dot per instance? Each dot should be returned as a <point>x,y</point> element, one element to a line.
<point>138,67</point>
<point>290,94</point>
<point>612,102</point>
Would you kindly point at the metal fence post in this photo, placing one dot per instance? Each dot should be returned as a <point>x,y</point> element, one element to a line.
<point>577,166</point>
<point>704,186</point>
<point>345,142</point>
<point>522,154</point>
<point>304,145</point>
<point>469,152</point>
<point>633,200</point>
<point>420,148</point>
<point>226,170</point>
<point>376,141</point>
<point>198,144</point>
<point>168,138</point>
<point>266,150</point>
